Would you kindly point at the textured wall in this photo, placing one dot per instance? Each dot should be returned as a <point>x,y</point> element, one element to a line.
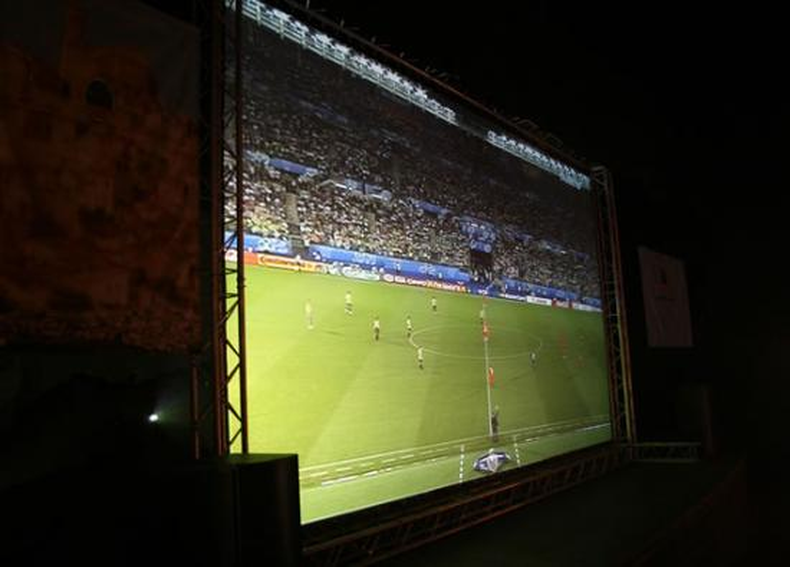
<point>99,199</point>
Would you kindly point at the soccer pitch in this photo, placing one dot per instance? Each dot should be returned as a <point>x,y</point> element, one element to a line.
<point>370,426</point>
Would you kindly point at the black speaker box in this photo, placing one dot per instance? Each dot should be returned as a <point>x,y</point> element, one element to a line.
<point>266,509</point>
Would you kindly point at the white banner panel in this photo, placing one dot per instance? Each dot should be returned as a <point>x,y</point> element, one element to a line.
<point>666,300</point>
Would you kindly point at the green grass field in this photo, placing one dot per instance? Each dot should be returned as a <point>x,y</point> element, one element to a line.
<point>370,426</point>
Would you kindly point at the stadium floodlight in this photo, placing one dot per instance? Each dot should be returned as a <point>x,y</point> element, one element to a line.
<point>153,418</point>
<point>286,26</point>
<point>539,159</point>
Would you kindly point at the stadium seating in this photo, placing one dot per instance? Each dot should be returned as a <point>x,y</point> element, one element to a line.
<point>352,136</point>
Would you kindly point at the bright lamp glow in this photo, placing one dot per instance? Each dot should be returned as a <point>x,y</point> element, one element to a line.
<point>153,418</point>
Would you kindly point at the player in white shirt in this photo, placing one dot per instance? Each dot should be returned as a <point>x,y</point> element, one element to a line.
<point>308,314</point>
<point>409,327</point>
<point>349,304</point>
<point>376,327</point>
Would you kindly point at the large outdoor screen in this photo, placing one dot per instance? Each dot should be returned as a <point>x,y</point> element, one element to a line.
<point>423,298</point>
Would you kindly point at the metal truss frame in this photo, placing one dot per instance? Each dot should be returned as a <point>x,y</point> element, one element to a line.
<point>219,377</point>
<point>204,388</point>
<point>613,297</point>
<point>402,533</point>
<point>234,373</point>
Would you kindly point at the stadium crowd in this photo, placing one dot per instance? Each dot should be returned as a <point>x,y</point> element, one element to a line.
<point>301,108</point>
<point>355,221</point>
<point>265,204</point>
<point>530,261</point>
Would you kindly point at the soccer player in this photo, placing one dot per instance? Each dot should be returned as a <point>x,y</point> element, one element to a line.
<point>483,313</point>
<point>349,304</point>
<point>308,314</point>
<point>420,357</point>
<point>376,327</point>
<point>533,358</point>
<point>491,376</point>
<point>408,326</point>
<point>433,304</point>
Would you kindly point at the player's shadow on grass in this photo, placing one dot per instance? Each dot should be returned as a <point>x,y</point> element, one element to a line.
<point>519,376</point>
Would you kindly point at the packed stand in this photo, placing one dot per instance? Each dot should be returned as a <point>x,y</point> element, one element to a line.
<point>304,109</point>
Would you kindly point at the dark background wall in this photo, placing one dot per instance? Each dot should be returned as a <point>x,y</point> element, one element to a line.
<point>687,106</point>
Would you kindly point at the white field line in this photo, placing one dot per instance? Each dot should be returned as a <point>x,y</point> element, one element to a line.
<point>427,450</point>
